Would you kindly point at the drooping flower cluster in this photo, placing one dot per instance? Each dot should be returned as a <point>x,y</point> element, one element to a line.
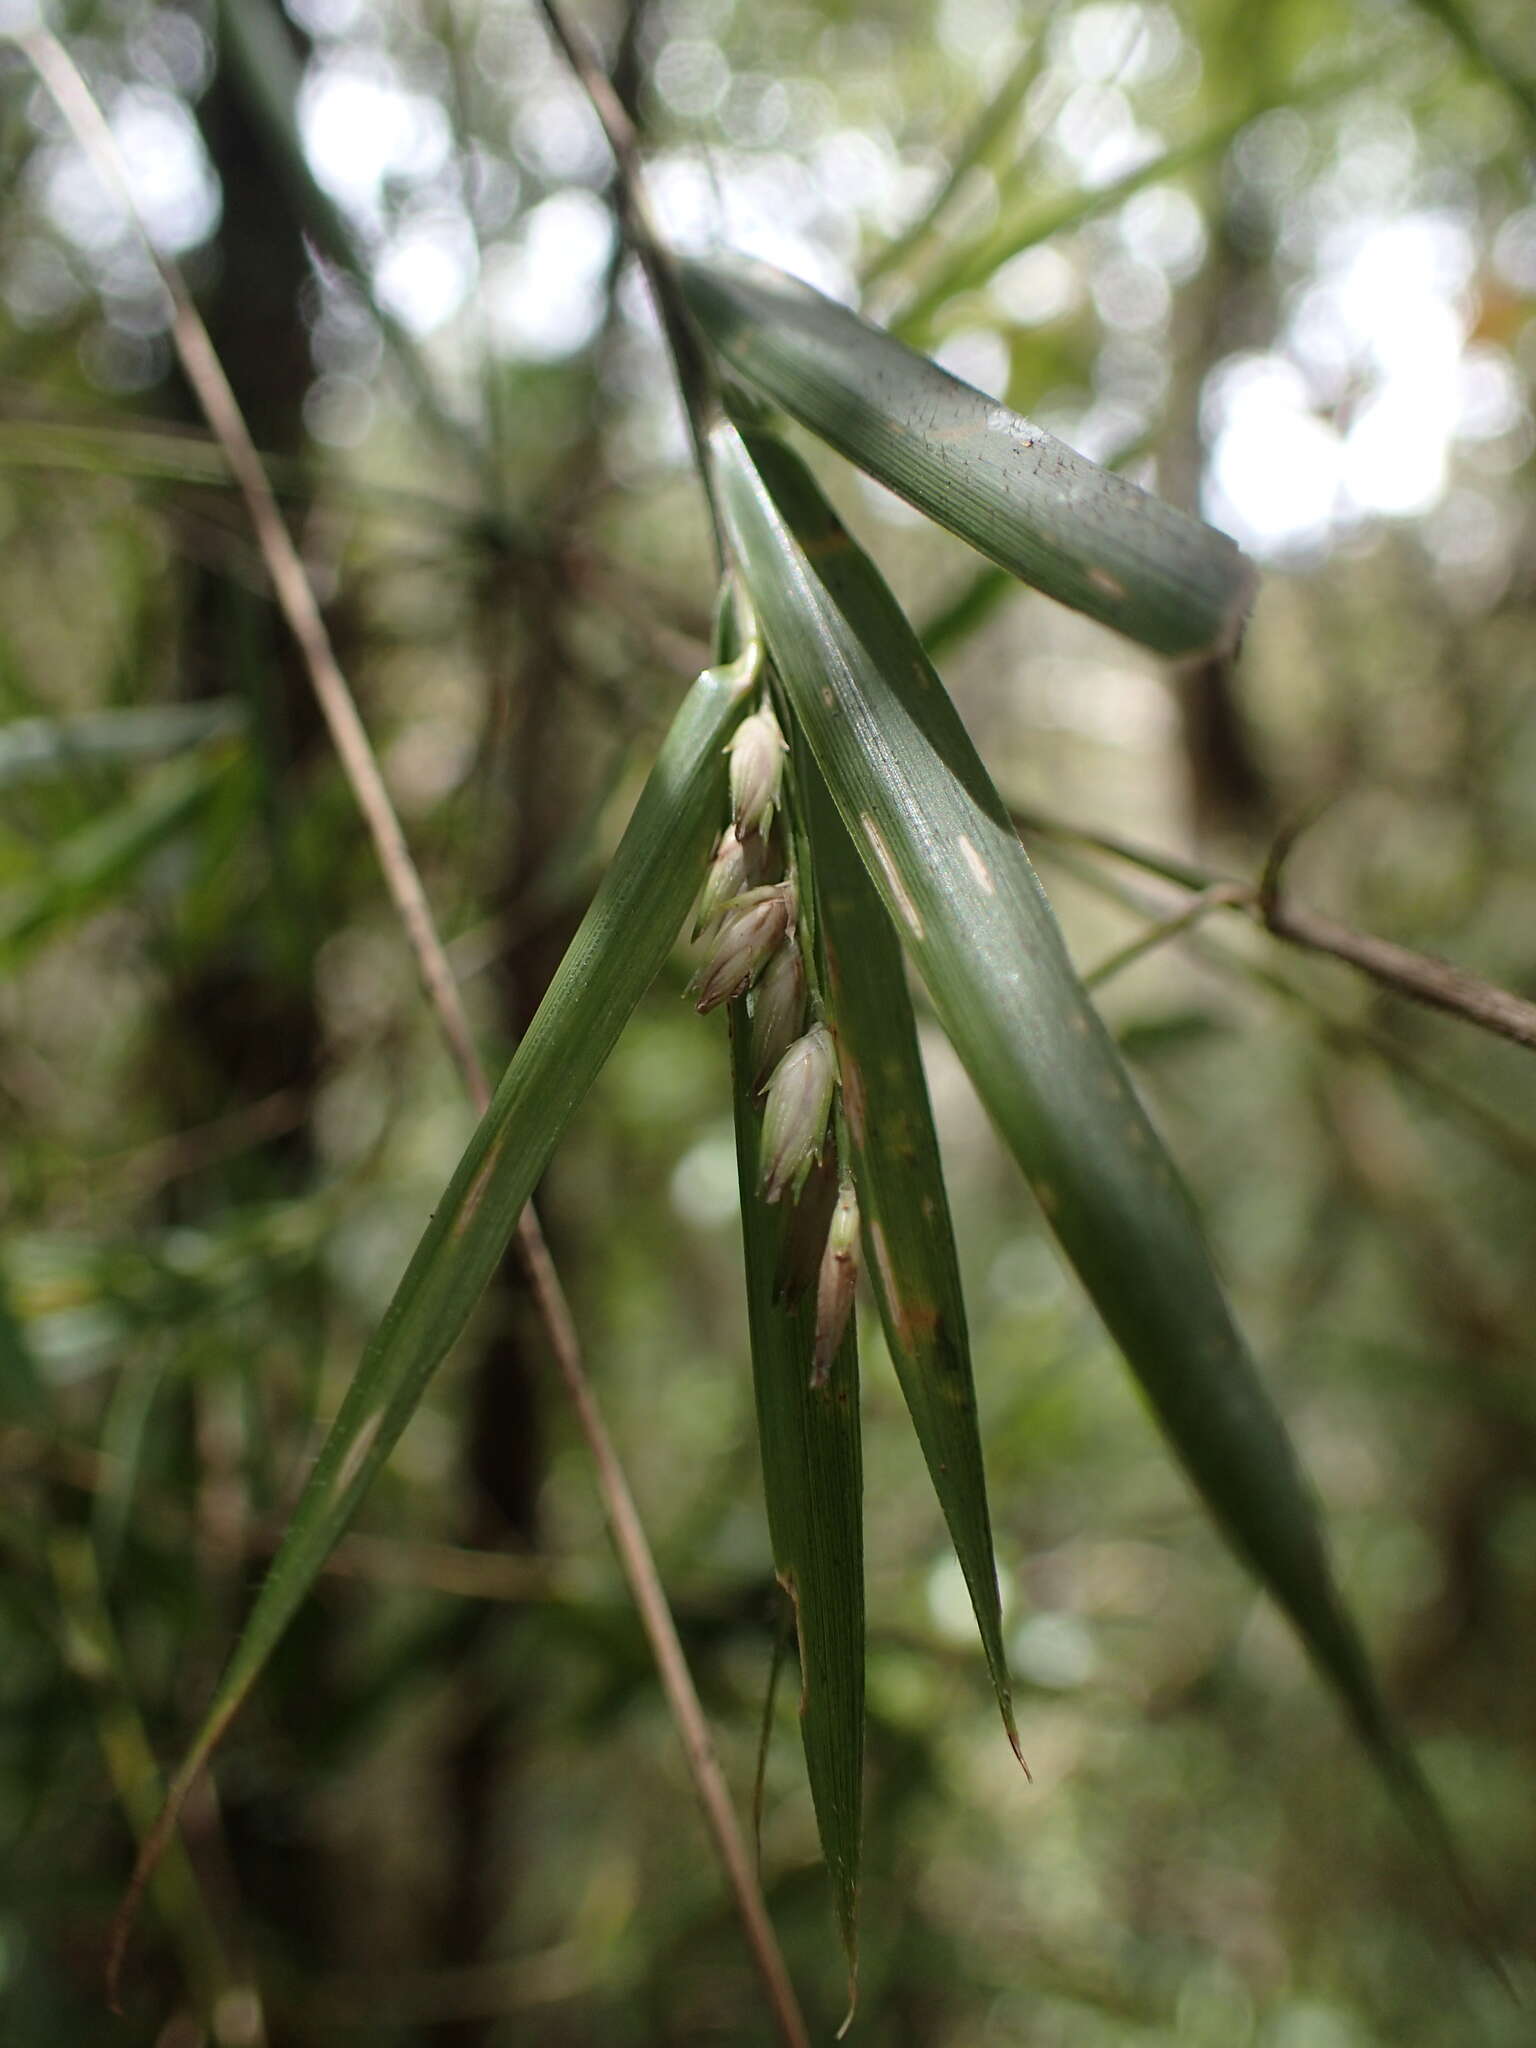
<point>747,912</point>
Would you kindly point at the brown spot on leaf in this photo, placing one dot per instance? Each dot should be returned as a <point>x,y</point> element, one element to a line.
<point>906,908</point>
<point>976,864</point>
<point>356,1455</point>
<point>474,1194</point>
<point>853,1098</point>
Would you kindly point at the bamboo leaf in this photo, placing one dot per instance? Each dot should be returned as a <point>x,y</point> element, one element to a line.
<point>813,1488</point>
<point>937,843</point>
<point>622,942</point>
<point>908,1241</point>
<point>1035,507</point>
<point>970,268</point>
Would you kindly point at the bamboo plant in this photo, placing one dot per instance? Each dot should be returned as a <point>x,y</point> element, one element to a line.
<point>820,824</point>
<point>820,804</point>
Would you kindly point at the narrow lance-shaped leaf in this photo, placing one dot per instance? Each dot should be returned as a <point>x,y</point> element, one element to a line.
<point>1043,512</point>
<point>813,1489</point>
<point>937,843</point>
<point>909,1244</point>
<point>622,941</point>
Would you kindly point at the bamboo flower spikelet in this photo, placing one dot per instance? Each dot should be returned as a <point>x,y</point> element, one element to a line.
<point>752,933</point>
<point>795,1120</point>
<point>757,772</point>
<point>738,865</point>
<point>778,1011</point>
<point>837,1281</point>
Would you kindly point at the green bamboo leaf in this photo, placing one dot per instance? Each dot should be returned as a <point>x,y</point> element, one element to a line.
<point>937,843</point>
<point>622,941</point>
<point>93,1655</point>
<point>813,1489</point>
<point>1035,507</point>
<point>93,864</point>
<point>908,1242</point>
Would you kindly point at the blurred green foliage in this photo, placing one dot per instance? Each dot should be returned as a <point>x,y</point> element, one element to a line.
<point>455,1810</point>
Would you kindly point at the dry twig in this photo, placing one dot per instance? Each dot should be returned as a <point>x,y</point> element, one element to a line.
<point>1418,975</point>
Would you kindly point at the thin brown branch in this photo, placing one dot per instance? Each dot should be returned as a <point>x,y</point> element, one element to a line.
<point>1513,1143</point>
<point>193,1151</point>
<point>656,1617</point>
<point>300,608</point>
<point>1420,976</point>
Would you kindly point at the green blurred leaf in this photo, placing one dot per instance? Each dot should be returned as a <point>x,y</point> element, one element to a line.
<point>991,124</point>
<point>971,606</point>
<point>100,860</point>
<point>971,266</point>
<point>623,940</point>
<point>1044,513</point>
<point>94,1656</point>
<point>1463,25</point>
<point>44,749</point>
<point>21,1383</point>
<point>908,1241</point>
<point>813,1487</point>
<point>939,846</point>
<point>257,45</point>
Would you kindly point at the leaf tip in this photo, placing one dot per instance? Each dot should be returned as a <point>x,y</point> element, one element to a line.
<point>1014,1743</point>
<point>853,1992</point>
